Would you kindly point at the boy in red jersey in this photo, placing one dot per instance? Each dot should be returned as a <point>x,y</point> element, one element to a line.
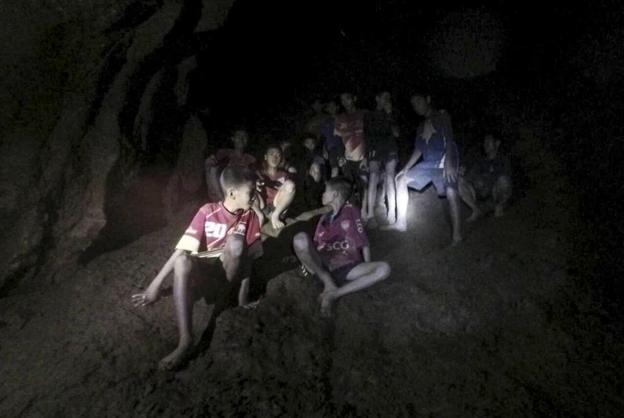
<point>277,189</point>
<point>228,235</point>
<point>339,254</point>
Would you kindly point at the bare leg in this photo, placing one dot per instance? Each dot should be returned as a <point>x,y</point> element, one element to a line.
<point>257,207</point>
<point>501,193</point>
<point>184,312</point>
<point>455,208</point>
<point>390,187</point>
<point>282,201</point>
<point>373,182</point>
<point>381,196</point>
<point>233,257</point>
<point>468,195</point>
<point>309,257</point>
<point>364,202</point>
<point>362,276</point>
<point>402,200</point>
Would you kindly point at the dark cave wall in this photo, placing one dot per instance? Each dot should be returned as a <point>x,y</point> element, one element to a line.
<point>76,75</point>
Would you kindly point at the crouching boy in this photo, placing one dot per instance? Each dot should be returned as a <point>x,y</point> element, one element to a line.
<point>228,235</point>
<point>339,254</point>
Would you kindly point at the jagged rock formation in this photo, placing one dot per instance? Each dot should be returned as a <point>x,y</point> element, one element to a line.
<point>79,91</point>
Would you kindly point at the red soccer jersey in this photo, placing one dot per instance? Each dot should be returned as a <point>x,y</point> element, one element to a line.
<point>272,183</point>
<point>350,127</point>
<point>213,223</point>
<point>229,157</point>
<point>339,241</point>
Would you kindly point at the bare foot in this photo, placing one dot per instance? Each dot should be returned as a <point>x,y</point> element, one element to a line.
<point>397,226</point>
<point>498,211</point>
<point>176,357</point>
<point>327,302</point>
<point>476,214</point>
<point>277,223</point>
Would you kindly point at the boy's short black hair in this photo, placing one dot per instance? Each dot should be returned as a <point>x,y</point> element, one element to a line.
<point>272,145</point>
<point>233,177</point>
<point>340,185</point>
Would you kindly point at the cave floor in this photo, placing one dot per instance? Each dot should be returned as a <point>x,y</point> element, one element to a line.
<point>494,327</point>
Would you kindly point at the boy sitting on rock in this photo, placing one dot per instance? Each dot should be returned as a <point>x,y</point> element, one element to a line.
<point>228,234</point>
<point>339,254</point>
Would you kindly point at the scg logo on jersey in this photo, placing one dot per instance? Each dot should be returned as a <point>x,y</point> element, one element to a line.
<point>335,246</point>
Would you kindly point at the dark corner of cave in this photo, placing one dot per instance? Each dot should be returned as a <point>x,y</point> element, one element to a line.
<point>311,208</point>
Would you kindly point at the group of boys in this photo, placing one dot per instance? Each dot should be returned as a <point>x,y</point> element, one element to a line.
<point>353,150</point>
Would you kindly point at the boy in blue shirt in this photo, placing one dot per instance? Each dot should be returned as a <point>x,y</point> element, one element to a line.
<point>434,160</point>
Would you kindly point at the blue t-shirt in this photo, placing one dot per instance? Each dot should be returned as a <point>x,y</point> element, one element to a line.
<point>330,140</point>
<point>434,150</point>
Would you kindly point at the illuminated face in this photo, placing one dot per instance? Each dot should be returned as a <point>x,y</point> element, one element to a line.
<point>309,143</point>
<point>273,157</point>
<point>243,195</point>
<point>239,139</point>
<point>328,196</point>
<point>315,172</point>
<point>347,100</point>
<point>420,104</point>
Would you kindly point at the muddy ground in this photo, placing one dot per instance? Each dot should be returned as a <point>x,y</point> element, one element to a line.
<point>495,327</point>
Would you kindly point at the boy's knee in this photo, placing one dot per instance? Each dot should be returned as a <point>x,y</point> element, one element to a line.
<point>301,242</point>
<point>384,270</point>
<point>288,186</point>
<point>451,192</point>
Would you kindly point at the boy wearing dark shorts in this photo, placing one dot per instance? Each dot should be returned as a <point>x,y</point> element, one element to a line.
<point>215,252</point>
<point>339,254</point>
<point>381,131</point>
<point>434,160</point>
<point>332,143</point>
<point>489,177</point>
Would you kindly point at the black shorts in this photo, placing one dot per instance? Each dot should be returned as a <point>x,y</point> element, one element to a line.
<point>383,154</point>
<point>207,277</point>
<point>339,275</point>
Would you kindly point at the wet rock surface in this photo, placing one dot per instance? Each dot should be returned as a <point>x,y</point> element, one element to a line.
<point>494,327</point>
